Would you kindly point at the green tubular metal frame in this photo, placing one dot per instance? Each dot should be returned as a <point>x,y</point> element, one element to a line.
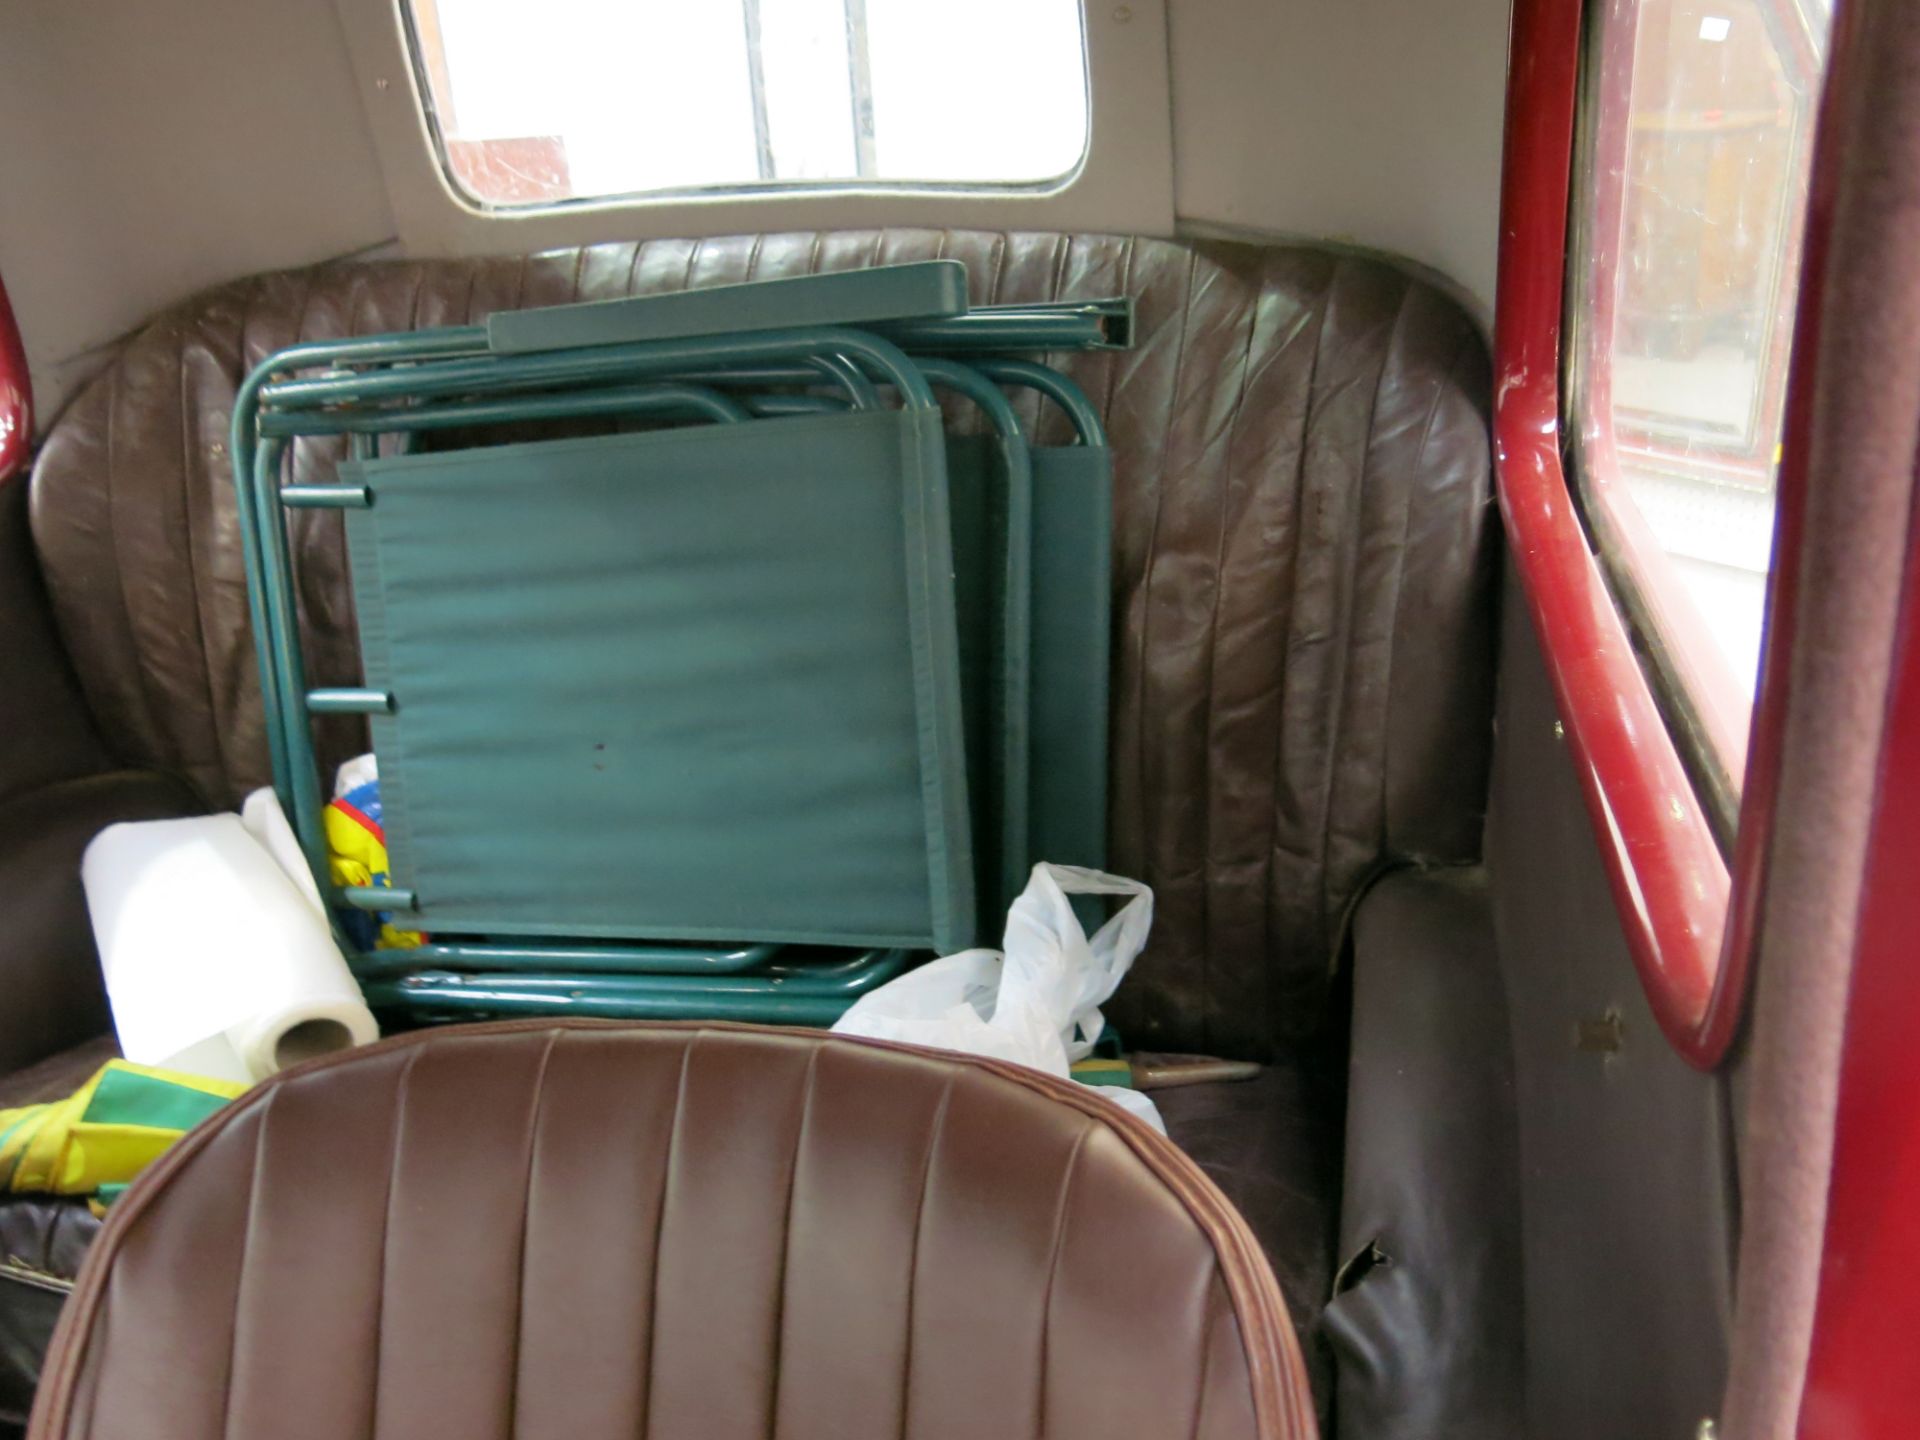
<point>758,998</point>
<point>861,392</point>
<point>436,997</point>
<point>494,957</point>
<point>1112,328</point>
<point>685,398</point>
<point>849,978</point>
<point>997,333</point>
<point>553,368</point>
<point>268,568</point>
<point>689,401</point>
<point>243,436</point>
<point>1072,400</point>
<point>787,994</point>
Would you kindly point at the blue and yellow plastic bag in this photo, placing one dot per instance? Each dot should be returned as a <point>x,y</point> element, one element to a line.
<point>357,855</point>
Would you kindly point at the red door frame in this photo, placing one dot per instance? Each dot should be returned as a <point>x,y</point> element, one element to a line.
<point>16,394</point>
<point>1861,1382</point>
<point>1689,923</point>
<point>1666,873</point>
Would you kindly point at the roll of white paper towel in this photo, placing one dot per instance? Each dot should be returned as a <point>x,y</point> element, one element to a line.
<point>215,963</point>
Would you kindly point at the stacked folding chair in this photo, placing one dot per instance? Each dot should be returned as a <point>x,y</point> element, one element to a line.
<point>735,714</point>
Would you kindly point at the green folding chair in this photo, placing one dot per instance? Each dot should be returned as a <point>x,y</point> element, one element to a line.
<point>403,512</point>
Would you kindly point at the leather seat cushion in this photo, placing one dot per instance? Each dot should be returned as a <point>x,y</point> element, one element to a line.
<point>1302,589</point>
<point>1426,1326</point>
<point>42,1243</point>
<point>48,966</point>
<point>585,1230</point>
<point>42,1239</point>
<point>1272,1145</point>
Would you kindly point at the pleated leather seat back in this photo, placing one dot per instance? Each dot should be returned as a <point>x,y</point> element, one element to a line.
<point>1302,569</point>
<point>573,1231</point>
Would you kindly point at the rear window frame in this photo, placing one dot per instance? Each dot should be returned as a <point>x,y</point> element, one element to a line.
<point>424,87</point>
<point>1123,184</point>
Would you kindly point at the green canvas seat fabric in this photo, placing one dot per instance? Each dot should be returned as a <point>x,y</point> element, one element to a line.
<point>1072,584</point>
<point>977,480</point>
<point>716,663</point>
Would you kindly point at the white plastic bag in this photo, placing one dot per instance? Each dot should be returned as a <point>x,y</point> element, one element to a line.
<point>1036,1004</point>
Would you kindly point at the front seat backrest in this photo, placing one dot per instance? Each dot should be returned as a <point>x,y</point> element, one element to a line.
<point>574,1231</point>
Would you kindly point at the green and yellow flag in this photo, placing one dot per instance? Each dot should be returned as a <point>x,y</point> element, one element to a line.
<point>95,1141</point>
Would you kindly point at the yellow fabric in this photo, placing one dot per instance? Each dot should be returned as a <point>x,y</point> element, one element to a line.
<point>357,855</point>
<point>99,1137</point>
<point>1102,1070</point>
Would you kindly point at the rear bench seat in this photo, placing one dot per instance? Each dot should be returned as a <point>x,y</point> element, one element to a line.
<point>1303,656</point>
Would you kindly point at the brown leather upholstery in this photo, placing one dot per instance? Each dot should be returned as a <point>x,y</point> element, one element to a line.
<point>49,736</point>
<point>1302,671</point>
<point>48,967</point>
<point>43,1241</point>
<point>589,1232</point>
<point>1425,1324</point>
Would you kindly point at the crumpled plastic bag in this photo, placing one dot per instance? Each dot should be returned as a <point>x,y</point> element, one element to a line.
<point>1036,1003</point>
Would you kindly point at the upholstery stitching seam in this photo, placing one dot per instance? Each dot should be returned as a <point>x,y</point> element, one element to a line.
<point>659,1229</point>
<point>913,1262</point>
<point>1153,541</point>
<point>220,732</point>
<point>413,305</point>
<point>1338,690</point>
<point>386,1236</point>
<point>1275,783</point>
<point>786,1241</point>
<point>240,1269</point>
<point>1206,1348</point>
<point>1446,387</point>
<point>1207,998</point>
<point>1055,287</point>
<point>150,717</point>
<point>1053,1267</point>
<point>1113,362</point>
<point>526,1224</point>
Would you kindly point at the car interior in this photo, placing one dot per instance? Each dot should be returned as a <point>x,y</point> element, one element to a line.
<point>1505,836</point>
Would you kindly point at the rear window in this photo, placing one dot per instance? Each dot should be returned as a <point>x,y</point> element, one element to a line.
<point>597,99</point>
